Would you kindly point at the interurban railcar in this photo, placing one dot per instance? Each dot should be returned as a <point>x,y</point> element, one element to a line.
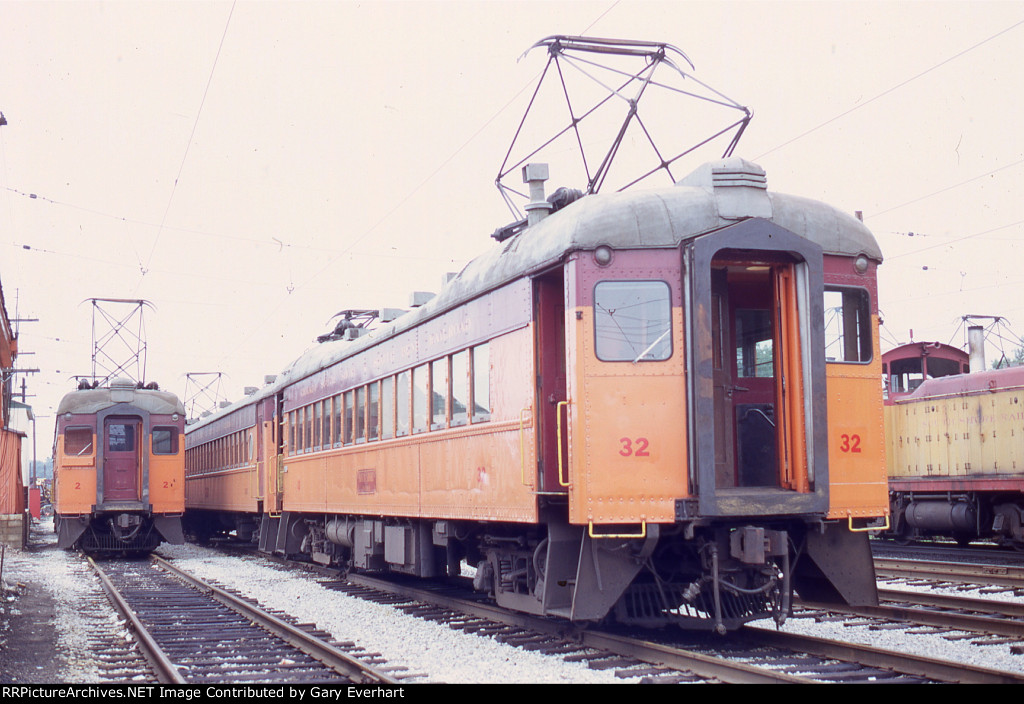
<point>632,408</point>
<point>119,468</point>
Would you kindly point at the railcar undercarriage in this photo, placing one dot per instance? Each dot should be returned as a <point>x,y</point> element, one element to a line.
<point>715,577</point>
<point>117,533</point>
<point>961,515</point>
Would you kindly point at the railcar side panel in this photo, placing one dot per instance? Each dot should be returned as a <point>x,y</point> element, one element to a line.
<point>166,447</point>
<point>856,447</point>
<point>441,473</point>
<point>478,477</point>
<point>74,489</point>
<point>627,409</point>
<point>229,489</point>
<point>856,444</point>
<point>961,436</point>
<point>381,481</point>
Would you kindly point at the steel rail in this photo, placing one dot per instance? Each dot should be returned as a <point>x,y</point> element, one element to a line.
<point>340,662</point>
<point>165,670</point>
<point>931,668</point>
<point>1007,623</point>
<point>961,573</point>
<point>724,670</point>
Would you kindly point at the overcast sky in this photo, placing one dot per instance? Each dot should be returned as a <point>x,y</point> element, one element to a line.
<point>253,168</point>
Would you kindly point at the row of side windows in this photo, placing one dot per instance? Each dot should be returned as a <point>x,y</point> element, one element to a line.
<point>448,392</point>
<point>230,451</point>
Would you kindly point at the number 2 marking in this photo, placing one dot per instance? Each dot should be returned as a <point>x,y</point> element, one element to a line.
<point>850,443</point>
<point>640,451</point>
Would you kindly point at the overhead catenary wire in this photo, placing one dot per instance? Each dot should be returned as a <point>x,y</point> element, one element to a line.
<point>174,187</point>
<point>892,89</point>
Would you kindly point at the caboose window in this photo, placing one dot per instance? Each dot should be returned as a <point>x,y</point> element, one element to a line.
<point>165,441</point>
<point>632,321</point>
<point>78,442</point>
<point>847,325</point>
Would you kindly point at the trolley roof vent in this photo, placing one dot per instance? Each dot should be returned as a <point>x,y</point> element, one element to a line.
<point>122,383</point>
<point>742,174</point>
<point>740,188</point>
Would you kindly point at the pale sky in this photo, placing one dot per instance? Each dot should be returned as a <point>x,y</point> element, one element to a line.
<point>252,168</point>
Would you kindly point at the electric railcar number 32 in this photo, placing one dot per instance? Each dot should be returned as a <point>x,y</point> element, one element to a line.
<point>633,408</point>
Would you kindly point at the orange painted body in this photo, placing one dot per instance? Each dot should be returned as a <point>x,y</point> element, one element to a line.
<point>857,460</point>
<point>74,481</point>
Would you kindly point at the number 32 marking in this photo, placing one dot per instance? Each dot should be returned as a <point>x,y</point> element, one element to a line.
<point>629,451</point>
<point>849,443</point>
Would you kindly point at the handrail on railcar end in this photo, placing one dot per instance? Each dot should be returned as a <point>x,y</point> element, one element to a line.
<point>558,426</point>
<point>866,529</point>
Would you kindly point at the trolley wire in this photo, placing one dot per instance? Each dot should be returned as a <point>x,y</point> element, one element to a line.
<point>892,89</point>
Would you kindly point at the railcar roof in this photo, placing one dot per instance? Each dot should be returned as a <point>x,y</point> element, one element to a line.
<point>716,195</point>
<point>967,384</point>
<point>96,400</point>
<point>919,350</point>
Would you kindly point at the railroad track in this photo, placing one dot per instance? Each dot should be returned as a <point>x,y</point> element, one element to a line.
<point>194,632</point>
<point>987,575</point>
<point>750,656</point>
<point>993,620</point>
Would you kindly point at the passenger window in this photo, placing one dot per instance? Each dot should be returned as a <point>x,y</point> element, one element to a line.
<point>315,410</point>
<point>847,325</point>
<point>439,394</point>
<point>360,415</point>
<point>632,321</point>
<point>325,420</point>
<point>349,416</point>
<point>481,383</point>
<point>387,408</point>
<point>403,404</point>
<point>373,411</point>
<point>337,420</point>
<point>78,442</point>
<point>460,387</point>
<point>293,433</point>
<point>420,389</point>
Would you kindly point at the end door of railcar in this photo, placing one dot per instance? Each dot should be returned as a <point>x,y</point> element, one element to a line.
<point>121,436</point>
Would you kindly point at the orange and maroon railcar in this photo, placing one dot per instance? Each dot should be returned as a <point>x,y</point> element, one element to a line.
<point>119,469</point>
<point>632,408</point>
